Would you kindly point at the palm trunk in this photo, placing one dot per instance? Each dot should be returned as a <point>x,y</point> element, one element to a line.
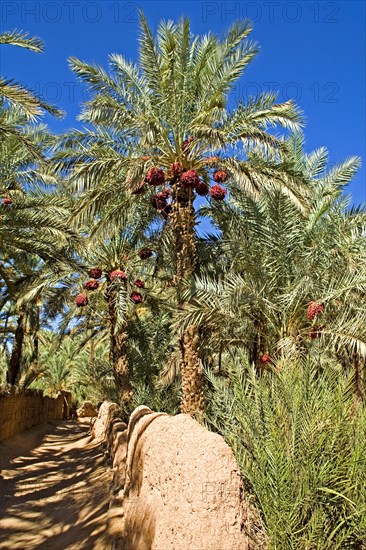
<point>35,356</point>
<point>35,353</point>
<point>119,354</point>
<point>193,381</point>
<point>121,367</point>
<point>7,315</point>
<point>92,359</point>
<point>183,221</point>
<point>16,354</point>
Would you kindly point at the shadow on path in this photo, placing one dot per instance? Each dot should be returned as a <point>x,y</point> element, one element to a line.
<point>53,490</point>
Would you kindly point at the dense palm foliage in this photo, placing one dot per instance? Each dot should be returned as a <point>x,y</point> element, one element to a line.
<point>272,261</point>
<point>155,123</point>
<point>109,289</point>
<point>35,233</point>
<point>301,445</point>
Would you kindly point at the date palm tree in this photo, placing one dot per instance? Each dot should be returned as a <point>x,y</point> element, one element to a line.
<point>273,261</point>
<point>34,227</point>
<point>154,125</point>
<point>113,299</point>
<point>105,293</point>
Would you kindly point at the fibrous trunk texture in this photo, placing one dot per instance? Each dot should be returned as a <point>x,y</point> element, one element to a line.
<point>92,360</point>
<point>121,367</point>
<point>35,353</point>
<point>16,354</point>
<point>193,380</point>
<point>119,353</point>
<point>183,222</point>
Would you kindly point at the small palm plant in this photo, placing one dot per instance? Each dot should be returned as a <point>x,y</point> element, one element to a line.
<point>301,446</point>
<point>70,365</point>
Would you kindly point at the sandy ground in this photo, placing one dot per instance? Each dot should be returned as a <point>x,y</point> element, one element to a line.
<point>53,490</point>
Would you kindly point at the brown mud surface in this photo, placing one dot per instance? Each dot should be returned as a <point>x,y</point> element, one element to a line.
<point>54,490</point>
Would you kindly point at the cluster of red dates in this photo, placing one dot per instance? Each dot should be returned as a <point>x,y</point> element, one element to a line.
<point>187,179</point>
<point>118,275</point>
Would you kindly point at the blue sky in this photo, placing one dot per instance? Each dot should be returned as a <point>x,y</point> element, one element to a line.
<point>311,51</point>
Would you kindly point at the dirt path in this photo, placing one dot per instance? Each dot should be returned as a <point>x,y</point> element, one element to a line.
<point>53,490</point>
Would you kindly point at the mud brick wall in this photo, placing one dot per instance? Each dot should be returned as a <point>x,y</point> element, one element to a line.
<point>175,486</point>
<point>20,412</point>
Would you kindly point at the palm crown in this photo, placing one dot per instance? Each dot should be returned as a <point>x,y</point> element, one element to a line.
<point>143,114</point>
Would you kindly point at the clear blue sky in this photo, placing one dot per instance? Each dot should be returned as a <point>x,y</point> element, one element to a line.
<point>312,51</point>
